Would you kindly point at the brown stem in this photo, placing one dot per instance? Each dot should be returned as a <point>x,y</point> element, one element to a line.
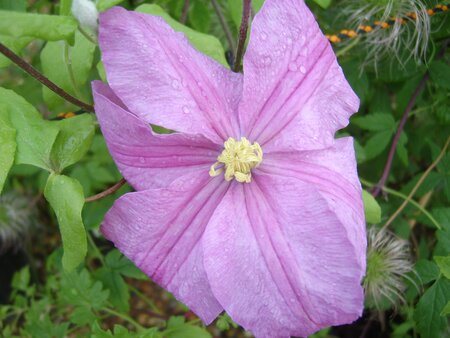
<point>42,79</point>
<point>184,13</point>
<point>247,6</point>
<point>409,107</point>
<point>107,192</point>
<point>224,24</point>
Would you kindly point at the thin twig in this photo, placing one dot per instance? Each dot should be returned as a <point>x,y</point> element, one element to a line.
<point>107,192</point>
<point>224,24</point>
<point>405,198</point>
<point>409,107</point>
<point>418,184</point>
<point>184,13</point>
<point>42,79</point>
<point>247,6</point>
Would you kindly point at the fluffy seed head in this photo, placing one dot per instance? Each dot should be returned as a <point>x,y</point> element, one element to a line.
<point>388,263</point>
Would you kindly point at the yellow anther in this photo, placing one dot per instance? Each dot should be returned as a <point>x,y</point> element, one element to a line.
<point>237,160</point>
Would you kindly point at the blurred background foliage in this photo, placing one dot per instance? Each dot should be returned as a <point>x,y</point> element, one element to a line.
<point>60,278</point>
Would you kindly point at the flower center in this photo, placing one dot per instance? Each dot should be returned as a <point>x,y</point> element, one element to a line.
<point>237,160</point>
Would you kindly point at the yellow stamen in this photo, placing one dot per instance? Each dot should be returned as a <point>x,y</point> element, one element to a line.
<point>237,160</point>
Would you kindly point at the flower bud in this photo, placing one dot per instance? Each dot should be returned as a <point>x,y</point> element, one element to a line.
<point>86,13</point>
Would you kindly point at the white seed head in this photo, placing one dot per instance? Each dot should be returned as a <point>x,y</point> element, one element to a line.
<point>86,13</point>
<point>388,263</point>
<point>402,40</point>
<point>17,221</point>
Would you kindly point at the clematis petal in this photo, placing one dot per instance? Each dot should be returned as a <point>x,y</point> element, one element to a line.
<point>295,95</point>
<point>333,172</point>
<point>148,160</point>
<point>165,81</point>
<point>279,260</point>
<point>160,230</point>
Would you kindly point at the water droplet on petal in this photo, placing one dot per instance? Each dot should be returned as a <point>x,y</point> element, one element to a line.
<point>186,110</point>
<point>267,60</point>
<point>142,159</point>
<point>175,84</point>
<point>303,69</point>
<point>263,36</point>
<point>289,41</point>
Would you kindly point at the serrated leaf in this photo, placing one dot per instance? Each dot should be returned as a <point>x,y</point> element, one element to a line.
<point>444,265</point>
<point>39,26</point>
<point>55,58</point>
<point>73,141</point>
<point>119,294</point>
<point>65,195</point>
<point>377,144</point>
<point>207,44</point>
<point>427,271</point>
<point>34,136</point>
<point>7,147</point>
<point>372,209</point>
<point>82,316</point>
<point>186,331</point>
<point>119,263</point>
<point>427,315</point>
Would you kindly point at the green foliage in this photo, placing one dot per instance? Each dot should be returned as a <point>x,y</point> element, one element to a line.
<point>7,147</point>
<point>66,197</point>
<point>372,209</point>
<point>38,26</point>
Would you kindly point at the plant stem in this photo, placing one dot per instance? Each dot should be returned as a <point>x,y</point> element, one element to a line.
<point>42,79</point>
<point>224,24</point>
<point>409,107</point>
<point>107,192</point>
<point>184,13</point>
<point>404,197</point>
<point>148,301</point>
<point>94,246</point>
<point>124,317</point>
<point>247,6</point>
<point>418,184</point>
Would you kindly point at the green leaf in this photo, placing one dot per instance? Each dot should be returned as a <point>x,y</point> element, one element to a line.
<point>186,331</point>
<point>119,294</point>
<point>376,144</point>
<point>427,315</point>
<point>65,7</point>
<point>55,58</point>
<point>444,265</point>
<point>200,16</point>
<point>119,263</point>
<point>205,43</point>
<point>39,26</point>
<point>446,310</point>
<point>65,195</point>
<point>323,3</point>
<point>73,141</point>
<point>7,147</point>
<point>34,136</point>
<point>427,271</point>
<point>375,122</point>
<point>440,74</point>
<point>372,209</point>
<point>15,44</point>
<point>103,5</point>
<point>14,5</point>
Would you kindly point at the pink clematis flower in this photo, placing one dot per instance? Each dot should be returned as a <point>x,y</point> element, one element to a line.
<point>252,206</point>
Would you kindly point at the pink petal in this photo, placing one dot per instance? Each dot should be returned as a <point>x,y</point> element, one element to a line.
<point>160,230</point>
<point>279,260</point>
<point>148,160</point>
<point>334,173</point>
<point>295,95</point>
<point>163,80</point>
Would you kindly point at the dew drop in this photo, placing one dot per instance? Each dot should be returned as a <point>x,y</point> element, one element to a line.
<point>185,110</point>
<point>263,36</point>
<point>175,84</point>
<point>302,69</point>
<point>289,41</point>
<point>141,159</point>
<point>267,60</point>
